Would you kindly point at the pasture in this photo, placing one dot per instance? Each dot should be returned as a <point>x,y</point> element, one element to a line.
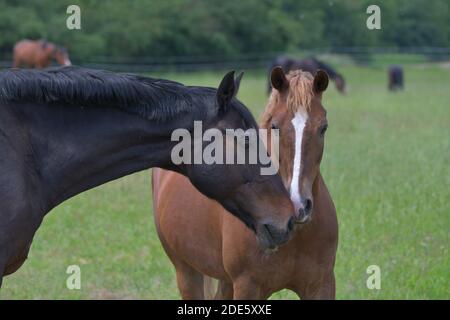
<point>386,164</point>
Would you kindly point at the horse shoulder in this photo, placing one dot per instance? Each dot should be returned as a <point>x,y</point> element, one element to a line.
<point>242,254</point>
<point>188,222</point>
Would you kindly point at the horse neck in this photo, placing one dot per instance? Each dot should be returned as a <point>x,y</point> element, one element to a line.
<point>76,149</point>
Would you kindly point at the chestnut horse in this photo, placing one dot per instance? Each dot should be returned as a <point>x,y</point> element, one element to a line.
<point>203,240</point>
<point>38,54</point>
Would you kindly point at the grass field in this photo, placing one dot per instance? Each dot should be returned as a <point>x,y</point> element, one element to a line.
<point>387,165</point>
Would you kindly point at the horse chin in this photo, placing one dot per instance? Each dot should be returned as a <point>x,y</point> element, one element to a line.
<point>266,245</point>
<point>269,238</point>
<point>304,220</point>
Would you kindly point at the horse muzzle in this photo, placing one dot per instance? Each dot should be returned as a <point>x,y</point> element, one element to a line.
<point>304,212</point>
<point>271,237</point>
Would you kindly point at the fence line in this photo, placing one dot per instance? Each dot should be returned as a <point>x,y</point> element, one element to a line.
<point>343,55</point>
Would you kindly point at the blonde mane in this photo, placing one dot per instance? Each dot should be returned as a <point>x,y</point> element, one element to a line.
<point>300,92</point>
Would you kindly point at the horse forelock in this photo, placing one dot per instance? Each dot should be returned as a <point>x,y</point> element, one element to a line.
<point>300,92</point>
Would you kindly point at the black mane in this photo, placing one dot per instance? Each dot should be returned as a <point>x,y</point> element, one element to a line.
<point>153,99</point>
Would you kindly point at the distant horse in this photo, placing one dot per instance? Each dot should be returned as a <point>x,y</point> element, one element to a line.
<point>395,75</point>
<point>201,238</point>
<point>310,65</point>
<point>67,130</point>
<point>38,54</point>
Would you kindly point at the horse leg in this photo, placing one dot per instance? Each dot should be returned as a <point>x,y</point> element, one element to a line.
<point>190,282</point>
<point>224,291</point>
<point>328,290</point>
<point>324,289</point>
<point>246,289</point>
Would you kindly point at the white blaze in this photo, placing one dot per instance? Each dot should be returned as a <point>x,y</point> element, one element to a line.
<point>299,122</point>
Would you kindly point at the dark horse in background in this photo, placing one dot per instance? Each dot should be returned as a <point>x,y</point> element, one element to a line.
<point>38,54</point>
<point>311,65</point>
<point>395,75</point>
<point>67,130</point>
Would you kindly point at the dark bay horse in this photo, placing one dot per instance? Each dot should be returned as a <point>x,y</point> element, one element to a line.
<point>67,130</point>
<point>202,239</point>
<point>38,54</point>
<point>395,78</point>
<point>310,65</point>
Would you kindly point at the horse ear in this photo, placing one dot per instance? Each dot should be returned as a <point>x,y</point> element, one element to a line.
<point>237,82</point>
<point>278,79</point>
<point>320,81</point>
<point>227,90</point>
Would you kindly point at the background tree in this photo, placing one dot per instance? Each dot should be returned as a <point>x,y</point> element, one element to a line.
<point>218,28</point>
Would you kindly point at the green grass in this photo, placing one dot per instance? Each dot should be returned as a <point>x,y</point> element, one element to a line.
<point>387,166</point>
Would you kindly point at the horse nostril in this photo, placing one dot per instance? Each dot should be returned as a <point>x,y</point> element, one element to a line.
<point>291,224</point>
<point>308,206</point>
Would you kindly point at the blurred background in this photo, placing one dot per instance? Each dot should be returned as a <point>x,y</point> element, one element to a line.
<point>387,153</point>
<point>216,34</point>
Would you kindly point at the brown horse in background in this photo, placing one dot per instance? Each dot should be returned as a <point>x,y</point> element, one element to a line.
<point>38,54</point>
<point>311,65</point>
<point>202,239</point>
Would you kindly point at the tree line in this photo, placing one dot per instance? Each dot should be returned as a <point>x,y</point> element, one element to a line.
<point>214,28</point>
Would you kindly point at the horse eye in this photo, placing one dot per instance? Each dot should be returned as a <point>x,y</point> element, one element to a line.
<point>323,129</point>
